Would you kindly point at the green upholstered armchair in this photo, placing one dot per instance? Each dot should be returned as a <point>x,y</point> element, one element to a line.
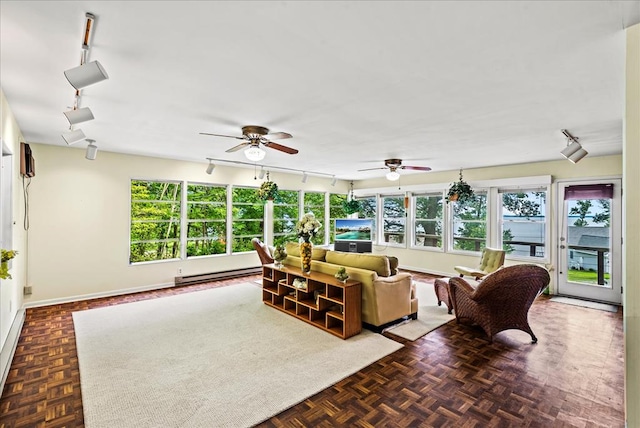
<point>492,259</point>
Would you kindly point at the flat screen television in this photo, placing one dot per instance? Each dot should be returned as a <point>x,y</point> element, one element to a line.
<point>354,229</point>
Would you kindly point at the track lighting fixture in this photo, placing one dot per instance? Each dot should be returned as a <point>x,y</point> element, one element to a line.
<point>79,115</point>
<point>574,151</point>
<point>304,177</point>
<point>92,150</point>
<point>255,154</point>
<point>73,136</point>
<point>333,180</point>
<point>210,167</point>
<point>262,171</point>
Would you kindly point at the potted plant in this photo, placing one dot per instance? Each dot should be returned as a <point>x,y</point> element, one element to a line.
<point>268,190</point>
<point>460,191</point>
<point>341,274</point>
<point>4,263</point>
<point>351,205</point>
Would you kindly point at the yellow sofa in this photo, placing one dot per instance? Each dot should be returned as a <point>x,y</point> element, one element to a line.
<point>386,296</point>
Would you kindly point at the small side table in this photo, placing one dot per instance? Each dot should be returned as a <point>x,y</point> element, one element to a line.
<point>441,287</point>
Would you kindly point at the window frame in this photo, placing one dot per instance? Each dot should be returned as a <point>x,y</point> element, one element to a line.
<point>412,226</point>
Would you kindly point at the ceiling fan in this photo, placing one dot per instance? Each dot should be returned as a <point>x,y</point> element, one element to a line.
<point>253,137</point>
<point>394,165</point>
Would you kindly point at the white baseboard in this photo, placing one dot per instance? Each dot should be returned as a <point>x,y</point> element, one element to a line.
<point>9,348</point>
<point>430,271</point>
<point>97,295</point>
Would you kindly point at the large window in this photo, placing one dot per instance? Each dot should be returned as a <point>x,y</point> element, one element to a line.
<point>248,218</point>
<point>393,219</point>
<point>155,220</point>
<point>336,210</point>
<point>469,223</point>
<point>523,222</point>
<point>206,220</point>
<point>368,209</point>
<point>428,220</point>
<point>314,203</point>
<point>285,216</point>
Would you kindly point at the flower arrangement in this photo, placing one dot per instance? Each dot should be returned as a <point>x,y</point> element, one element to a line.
<point>460,191</point>
<point>268,190</point>
<point>308,227</point>
<point>4,267</point>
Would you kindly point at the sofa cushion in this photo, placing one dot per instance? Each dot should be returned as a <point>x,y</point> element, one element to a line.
<point>318,253</point>
<point>374,262</point>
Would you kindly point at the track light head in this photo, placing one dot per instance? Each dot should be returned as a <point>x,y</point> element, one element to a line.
<point>73,136</point>
<point>210,167</point>
<point>333,180</point>
<point>92,150</point>
<point>571,149</point>
<point>86,74</point>
<point>80,115</point>
<point>579,154</point>
<point>262,172</point>
<point>304,177</point>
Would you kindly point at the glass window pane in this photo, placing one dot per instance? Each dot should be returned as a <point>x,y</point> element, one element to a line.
<point>369,210</point>
<point>393,219</point>
<point>248,218</point>
<point>428,220</point>
<point>314,203</point>
<point>336,210</point>
<point>523,223</point>
<point>206,219</point>
<point>155,220</point>
<point>469,223</point>
<point>285,216</point>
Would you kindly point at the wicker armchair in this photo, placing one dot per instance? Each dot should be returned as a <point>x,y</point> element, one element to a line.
<point>501,301</point>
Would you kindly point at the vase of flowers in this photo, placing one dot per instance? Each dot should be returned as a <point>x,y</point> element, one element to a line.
<point>4,262</point>
<point>279,254</point>
<point>307,227</point>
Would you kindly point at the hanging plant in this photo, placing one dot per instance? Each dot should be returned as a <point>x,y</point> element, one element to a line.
<point>351,205</point>
<point>460,191</point>
<point>268,190</point>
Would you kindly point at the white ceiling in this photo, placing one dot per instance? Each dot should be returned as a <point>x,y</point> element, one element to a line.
<point>443,84</point>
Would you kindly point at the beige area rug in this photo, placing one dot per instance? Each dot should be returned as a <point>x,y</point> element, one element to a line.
<point>213,358</point>
<point>430,315</point>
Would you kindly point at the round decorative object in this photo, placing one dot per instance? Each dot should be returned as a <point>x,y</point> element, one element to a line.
<point>306,248</point>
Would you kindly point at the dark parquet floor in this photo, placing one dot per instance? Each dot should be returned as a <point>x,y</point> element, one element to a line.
<point>453,377</point>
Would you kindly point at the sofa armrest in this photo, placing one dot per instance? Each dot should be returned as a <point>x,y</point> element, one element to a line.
<point>392,296</point>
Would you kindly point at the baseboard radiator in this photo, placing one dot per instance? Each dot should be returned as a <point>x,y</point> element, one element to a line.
<point>216,276</point>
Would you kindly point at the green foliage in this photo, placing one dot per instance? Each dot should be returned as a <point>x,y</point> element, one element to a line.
<point>582,209</point>
<point>285,216</point>
<point>603,217</point>
<point>471,218</point>
<point>4,266</point>
<point>520,205</point>
<point>155,220</point>
<point>248,218</point>
<point>460,191</point>
<point>351,206</point>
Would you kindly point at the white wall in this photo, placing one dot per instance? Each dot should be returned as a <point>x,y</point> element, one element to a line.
<point>631,202</point>
<point>11,289</point>
<point>79,215</point>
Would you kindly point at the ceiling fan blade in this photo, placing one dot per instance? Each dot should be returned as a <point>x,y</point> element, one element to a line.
<point>371,169</point>
<point>280,147</point>
<point>238,147</point>
<point>226,136</point>
<point>417,168</point>
<point>279,136</point>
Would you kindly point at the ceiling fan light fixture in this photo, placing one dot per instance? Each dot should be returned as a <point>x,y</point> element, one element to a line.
<point>255,154</point>
<point>79,115</point>
<point>73,136</point>
<point>393,175</point>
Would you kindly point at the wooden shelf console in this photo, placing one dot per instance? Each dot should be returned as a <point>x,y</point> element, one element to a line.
<point>322,301</point>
